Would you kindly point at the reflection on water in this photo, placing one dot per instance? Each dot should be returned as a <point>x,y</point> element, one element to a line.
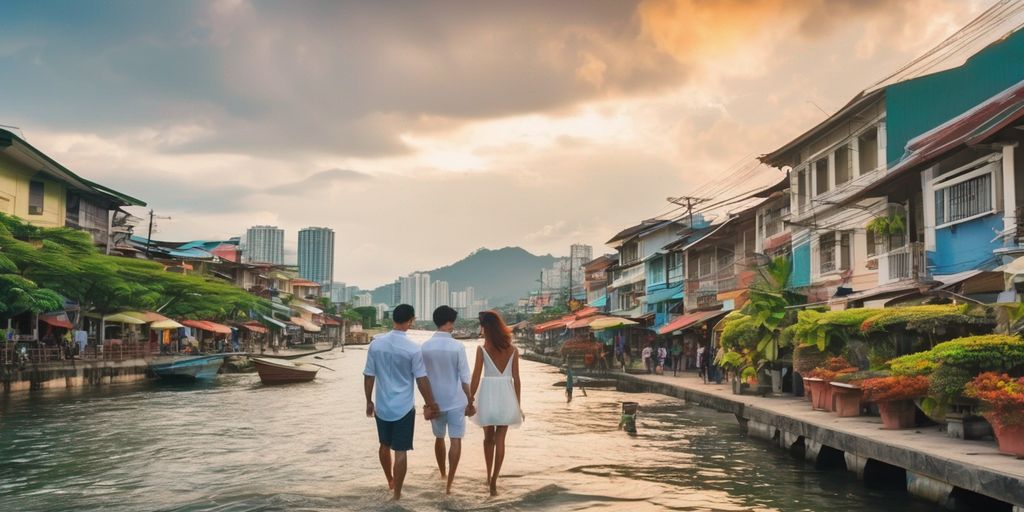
<point>236,445</point>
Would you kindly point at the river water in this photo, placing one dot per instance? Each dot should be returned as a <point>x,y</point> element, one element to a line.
<point>236,445</point>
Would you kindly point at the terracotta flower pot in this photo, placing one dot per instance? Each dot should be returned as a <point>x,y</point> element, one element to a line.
<point>818,389</point>
<point>1010,438</point>
<point>898,414</point>
<point>847,399</point>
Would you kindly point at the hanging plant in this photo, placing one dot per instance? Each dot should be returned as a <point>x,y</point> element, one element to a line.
<point>887,225</point>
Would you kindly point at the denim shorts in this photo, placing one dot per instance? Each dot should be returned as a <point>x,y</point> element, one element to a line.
<point>397,434</point>
<point>454,421</point>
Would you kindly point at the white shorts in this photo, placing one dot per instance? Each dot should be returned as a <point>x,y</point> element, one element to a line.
<point>454,421</point>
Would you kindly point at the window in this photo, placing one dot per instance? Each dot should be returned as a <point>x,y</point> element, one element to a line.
<point>843,171</point>
<point>674,262</point>
<point>867,150</point>
<point>821,176</point>
<point>656,271</point>
<point>803,196</point>
<point>705,264</point>
<point>966,193</point>
<point>630,252</point>
<point>827,252</point>
<point>771,220</point>
<point>835,252</point>
<point>36,191</point>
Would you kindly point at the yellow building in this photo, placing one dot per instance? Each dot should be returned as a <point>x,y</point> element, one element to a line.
<point>43,192</point>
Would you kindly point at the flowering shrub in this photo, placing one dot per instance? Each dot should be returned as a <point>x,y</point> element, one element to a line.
<point>896,387</point>
<point>923,317</point>
<point>1002,396</point>
<point>920,363</point>
<point>833,368</point>
<point>857,377</point>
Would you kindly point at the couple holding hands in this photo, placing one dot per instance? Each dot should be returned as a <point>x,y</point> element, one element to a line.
<point>440,369</point>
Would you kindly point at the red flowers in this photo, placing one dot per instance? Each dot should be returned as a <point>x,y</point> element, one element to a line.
<point>891,389</point>
<point>1002,396</point>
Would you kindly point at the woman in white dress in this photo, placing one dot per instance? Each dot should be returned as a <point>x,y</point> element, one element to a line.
<point>497,391</point>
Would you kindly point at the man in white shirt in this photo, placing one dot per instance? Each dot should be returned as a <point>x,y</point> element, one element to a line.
<point>393,363</point>
<point>448,371</point>
<point>646,355</point>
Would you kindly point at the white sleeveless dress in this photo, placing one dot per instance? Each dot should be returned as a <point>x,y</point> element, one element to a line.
<point>496,402</point>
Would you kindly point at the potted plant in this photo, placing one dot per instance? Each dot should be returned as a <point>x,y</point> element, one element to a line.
<point>847,394</point>
<point>894,396</point>
<point>735,364</point>
<point>820,378</point>
<point>1002,397</point>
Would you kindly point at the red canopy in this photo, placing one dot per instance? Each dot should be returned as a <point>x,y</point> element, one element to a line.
<point>207,326</point>
<point>583,322</point>
<point>57,320</point>
<point>255,327</point>
<point>690,320</point>
<point>554,324</point>
<point>330,321</point>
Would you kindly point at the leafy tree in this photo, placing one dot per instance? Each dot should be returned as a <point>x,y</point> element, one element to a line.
<point>367,315</point>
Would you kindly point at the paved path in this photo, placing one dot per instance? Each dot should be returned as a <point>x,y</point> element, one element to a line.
<point>973,465</point>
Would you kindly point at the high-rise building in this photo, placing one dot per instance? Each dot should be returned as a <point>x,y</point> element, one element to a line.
<point>439,295</point>
<point>316,256</point>
<point>362,300</point>
<point>417,293</point>
<point>396,292</point>
<point>462,302</point>
<point>579,255</point>
<point>264,244</point>
<point>351,292</point>
<point>338,292</point>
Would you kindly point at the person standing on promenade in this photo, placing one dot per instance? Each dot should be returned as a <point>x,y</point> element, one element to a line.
<point>497,387</point>
<point>677,357</point>
<point>645,354</point>
<point>393,363</point>
<point>448,371</point>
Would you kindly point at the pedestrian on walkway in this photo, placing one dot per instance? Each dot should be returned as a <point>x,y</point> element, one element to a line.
<point>677,357</point>
<point>645,354</point>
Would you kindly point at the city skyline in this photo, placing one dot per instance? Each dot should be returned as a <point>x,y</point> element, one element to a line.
<point>316,256</point>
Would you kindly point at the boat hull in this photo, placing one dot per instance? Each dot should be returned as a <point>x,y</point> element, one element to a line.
<point>188,368</point>
<point>283,372</point>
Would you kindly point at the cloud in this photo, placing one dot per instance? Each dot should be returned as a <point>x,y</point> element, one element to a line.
<point>318,182</point>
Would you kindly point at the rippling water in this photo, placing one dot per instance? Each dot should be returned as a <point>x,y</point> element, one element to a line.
<point>236,445</point>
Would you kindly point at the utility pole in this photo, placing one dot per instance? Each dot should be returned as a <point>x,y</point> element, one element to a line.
<point>149,237</point>
<point>688,202</point>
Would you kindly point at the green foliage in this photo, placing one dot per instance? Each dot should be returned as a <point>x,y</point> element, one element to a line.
<point>367,315</point>
<point>949,381</point>
<point>919,363</point>
<point>887,225</point>
<point>954,363</point>
<point>62,262</point>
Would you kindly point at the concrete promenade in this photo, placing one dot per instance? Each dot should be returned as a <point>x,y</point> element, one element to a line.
<point>937,467</point>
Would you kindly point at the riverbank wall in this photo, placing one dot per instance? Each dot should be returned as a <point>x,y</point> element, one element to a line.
<point>957,474</point>
<point>70,374</point>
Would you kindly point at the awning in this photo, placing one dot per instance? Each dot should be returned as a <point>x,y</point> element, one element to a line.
<point>255,327</point>
<point>554,324</point>
<point>123,318</point>
<point>59,319</point>
<point>587,311</point>
<point>207,326</point>
<point>305,324</point>
<point>690,320</point>
<point>600,303</point>
<point>147,316</point>
<point>274,322</point>
<point>304,283</point>
<point>584,322</point>
<point>281,307</point>
<point>307,308</point>
<point>665,294</point>
<point>165,324</point>
<point>331,322</point>
<point>610,322</point>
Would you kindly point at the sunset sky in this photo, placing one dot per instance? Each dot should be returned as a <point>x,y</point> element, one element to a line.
<point>421,131</point>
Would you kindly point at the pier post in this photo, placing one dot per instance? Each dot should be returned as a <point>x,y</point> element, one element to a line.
<point>928,488</point>
<point>855,463</point>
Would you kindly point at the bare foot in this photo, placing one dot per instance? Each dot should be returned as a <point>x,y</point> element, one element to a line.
<point>494,487</point>
<point>391,483</point>
<point>448,488</point>
<point>397,496</point>
<point>444,476</point>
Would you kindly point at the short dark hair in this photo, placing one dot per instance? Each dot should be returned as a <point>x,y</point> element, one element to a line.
<point>444,314</point>
<point>402,313</point>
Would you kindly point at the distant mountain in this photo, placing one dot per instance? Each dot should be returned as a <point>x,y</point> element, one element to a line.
<point>501,275</point>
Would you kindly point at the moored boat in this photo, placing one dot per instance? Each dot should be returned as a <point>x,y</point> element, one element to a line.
<point>283,371</point>
<point>203,367</point>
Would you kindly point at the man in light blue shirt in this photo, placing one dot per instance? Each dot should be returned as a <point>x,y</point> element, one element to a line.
<point>393,363</point>
<point>448,371</point>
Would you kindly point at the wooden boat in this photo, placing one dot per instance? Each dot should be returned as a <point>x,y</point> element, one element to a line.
<point>283,371</point>
<point>201,367</point>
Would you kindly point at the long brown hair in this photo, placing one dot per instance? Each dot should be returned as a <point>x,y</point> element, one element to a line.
<point>495,330</point>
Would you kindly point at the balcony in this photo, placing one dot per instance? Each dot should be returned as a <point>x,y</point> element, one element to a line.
<point>904,263</point>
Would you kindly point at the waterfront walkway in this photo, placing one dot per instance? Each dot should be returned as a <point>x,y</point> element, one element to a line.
<point>925,453</point>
